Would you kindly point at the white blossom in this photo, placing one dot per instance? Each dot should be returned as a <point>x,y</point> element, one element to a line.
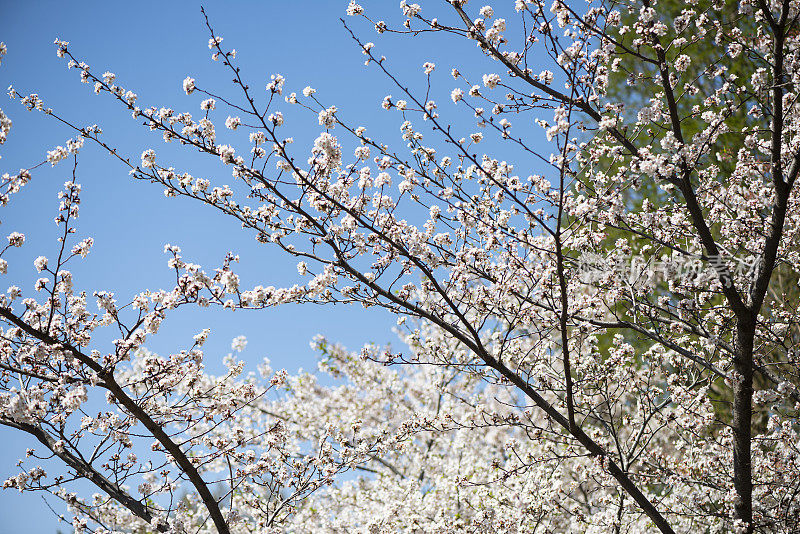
<point>188,85</point>
<point>491,80</point>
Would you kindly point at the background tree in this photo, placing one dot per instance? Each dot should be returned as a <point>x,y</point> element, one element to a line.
<point>628,85</point>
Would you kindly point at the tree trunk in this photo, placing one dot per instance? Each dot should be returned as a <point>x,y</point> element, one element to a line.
<point>742,421</point>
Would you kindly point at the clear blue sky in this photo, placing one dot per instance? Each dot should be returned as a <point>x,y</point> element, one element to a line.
<point>152,46</point>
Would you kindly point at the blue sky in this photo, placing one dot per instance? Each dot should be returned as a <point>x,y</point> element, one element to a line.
<point>152,47</point>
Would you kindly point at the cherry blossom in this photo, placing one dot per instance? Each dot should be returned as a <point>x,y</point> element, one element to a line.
<point>596,293</point>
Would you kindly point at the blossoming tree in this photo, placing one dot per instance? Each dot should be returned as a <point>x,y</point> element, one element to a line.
<point>653,388</point>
